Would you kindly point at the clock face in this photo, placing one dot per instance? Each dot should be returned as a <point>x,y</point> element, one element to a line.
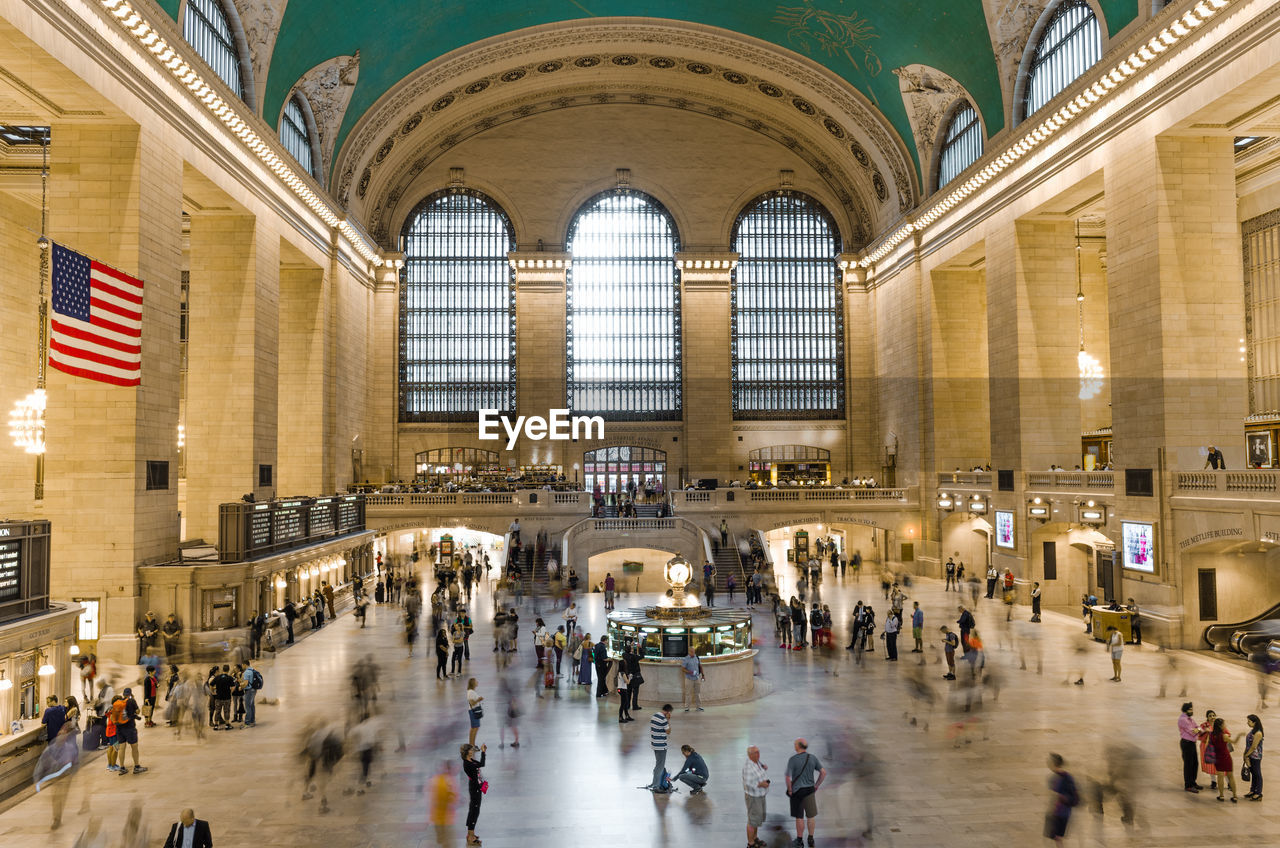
<point>679,573</point>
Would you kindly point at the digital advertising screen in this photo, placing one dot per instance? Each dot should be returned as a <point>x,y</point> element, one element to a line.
<point>1139,544</point>
<point>1004,529</point>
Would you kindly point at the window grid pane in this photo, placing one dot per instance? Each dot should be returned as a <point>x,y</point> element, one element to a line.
<point>1069,46</point>
<point>623,298</point>
<point>962,145</point>
<point>787,311</point>
<point>205,28</point>
<point>294,135</point>
<point>457,310</point>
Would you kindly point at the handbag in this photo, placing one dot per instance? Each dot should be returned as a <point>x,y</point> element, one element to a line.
<point>478,711</point>
<point>484,787</point>
<point>1246,773</point>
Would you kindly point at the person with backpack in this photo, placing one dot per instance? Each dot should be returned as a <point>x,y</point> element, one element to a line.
<point>966,623</point>
<point>223,684</point>
<point>1064,797</point>
<point>805,774</point>
<point>251,682</point>
<point>659,730</point>
<point>124,713</point>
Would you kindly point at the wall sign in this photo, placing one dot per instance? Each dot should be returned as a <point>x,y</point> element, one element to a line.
<point>1004,529</point>
<point>1138,543</point>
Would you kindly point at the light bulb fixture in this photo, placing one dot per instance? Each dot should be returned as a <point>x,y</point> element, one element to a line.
<point>280,584</point>
<point>46,669</point>
<point>5,683</point>
<point>1089,368</point>
<point>27,424</point>
<point>182,436</point>
<point>75,650</point>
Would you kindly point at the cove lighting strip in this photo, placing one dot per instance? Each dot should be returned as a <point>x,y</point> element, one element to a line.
<point>1083,103</point>
<point>132,20</point>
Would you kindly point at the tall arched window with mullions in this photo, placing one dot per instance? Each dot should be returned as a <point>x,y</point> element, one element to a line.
<point>624,309</point>
<point>206,26</point>
<point>961,143</point>
<point>1069,45</point>
<point>787,311</point>
<point>297,132</point>
<point>457,309</point>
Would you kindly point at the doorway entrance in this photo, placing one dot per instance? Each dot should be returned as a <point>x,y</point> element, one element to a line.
<point>614,469</point>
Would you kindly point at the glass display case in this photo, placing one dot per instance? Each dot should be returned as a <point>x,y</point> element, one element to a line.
<point>713,633</point>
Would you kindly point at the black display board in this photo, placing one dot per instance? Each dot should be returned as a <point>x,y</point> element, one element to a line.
<point>250,530</point>
<point>24,568</point>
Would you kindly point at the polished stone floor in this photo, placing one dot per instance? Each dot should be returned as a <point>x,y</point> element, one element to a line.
<point>970,779</point>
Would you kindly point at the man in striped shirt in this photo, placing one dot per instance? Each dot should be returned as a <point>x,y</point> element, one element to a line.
<point>659,730</point>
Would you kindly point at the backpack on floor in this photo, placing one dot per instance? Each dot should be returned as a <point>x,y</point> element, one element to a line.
<point>664,784</point>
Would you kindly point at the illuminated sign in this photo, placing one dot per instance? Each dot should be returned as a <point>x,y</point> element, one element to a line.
<point>1138,541</point>
<point>1004,529</point>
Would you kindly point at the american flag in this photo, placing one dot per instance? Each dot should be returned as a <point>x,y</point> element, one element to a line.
<point>97,320</point>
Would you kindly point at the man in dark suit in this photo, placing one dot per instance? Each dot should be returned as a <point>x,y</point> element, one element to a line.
<point>189,832</point>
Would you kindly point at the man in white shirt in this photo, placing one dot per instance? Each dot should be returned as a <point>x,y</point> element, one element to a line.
<point>755,785</point>
<point>693,678</point>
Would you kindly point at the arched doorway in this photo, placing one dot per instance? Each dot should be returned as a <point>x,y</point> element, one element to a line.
<point>611,469</point>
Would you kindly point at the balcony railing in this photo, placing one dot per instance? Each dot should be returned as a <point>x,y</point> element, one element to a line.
<point>1072,481</point>
<point>964,479</point>
<point>1250,482</point>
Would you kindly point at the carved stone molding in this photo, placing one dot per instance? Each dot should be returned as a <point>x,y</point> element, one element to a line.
<point>1009,23</point>
<point>928,95</point>
<point>328,87</point>
<point>851,187</point>
<point>260,20</point>
<point>582,54</point>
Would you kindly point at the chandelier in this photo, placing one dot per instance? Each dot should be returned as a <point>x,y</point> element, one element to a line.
<point>26,422</point>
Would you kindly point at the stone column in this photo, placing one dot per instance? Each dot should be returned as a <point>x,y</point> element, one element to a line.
<point>863,452</point>
<point>708,383</point>
<point>957,357</point>
<point>540,356</point>
<point>232,374</point>
<point>1033,342</point>
<point>304,399</point>
<point>379,443</point>
<point>116,195</point>
<point>1175,278</point>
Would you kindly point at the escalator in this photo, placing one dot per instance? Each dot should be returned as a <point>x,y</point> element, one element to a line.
<point>1260,635</point>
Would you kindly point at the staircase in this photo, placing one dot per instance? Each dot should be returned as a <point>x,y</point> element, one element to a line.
<point>727,561</point>
<point>642,511</point>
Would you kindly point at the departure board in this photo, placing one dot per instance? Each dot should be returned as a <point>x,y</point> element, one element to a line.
<point>249,530</point>
<point>260,526</point>
<point>321,518</point>
<point>288,522</point>
<point>10,570</point>
<point>350,514</point>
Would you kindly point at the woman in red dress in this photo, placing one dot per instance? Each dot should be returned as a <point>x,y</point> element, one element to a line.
<point>1220,742</point>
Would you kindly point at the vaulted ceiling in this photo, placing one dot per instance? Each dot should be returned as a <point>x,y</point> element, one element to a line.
<point>883,49</point>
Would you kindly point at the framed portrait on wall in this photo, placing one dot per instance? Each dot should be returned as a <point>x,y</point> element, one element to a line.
<point>1258,448</point>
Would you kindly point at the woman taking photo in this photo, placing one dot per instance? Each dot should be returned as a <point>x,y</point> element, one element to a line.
<point>475,787</point>
<point>1252,754</point>
<point>474,711</point>
<point>1220,744</point>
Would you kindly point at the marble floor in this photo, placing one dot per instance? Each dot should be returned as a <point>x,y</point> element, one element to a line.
<point>970,779</point>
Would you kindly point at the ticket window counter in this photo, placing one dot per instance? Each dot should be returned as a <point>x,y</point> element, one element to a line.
<point>673,641</point>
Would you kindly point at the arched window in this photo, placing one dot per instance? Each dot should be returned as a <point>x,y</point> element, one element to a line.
<point>961,144</point>
<point>1070,44</point>
<point>787,311</point>
<point>457,309</point>
<point>295,133</point>
<point>206,29</point>
<point>624,309</point>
